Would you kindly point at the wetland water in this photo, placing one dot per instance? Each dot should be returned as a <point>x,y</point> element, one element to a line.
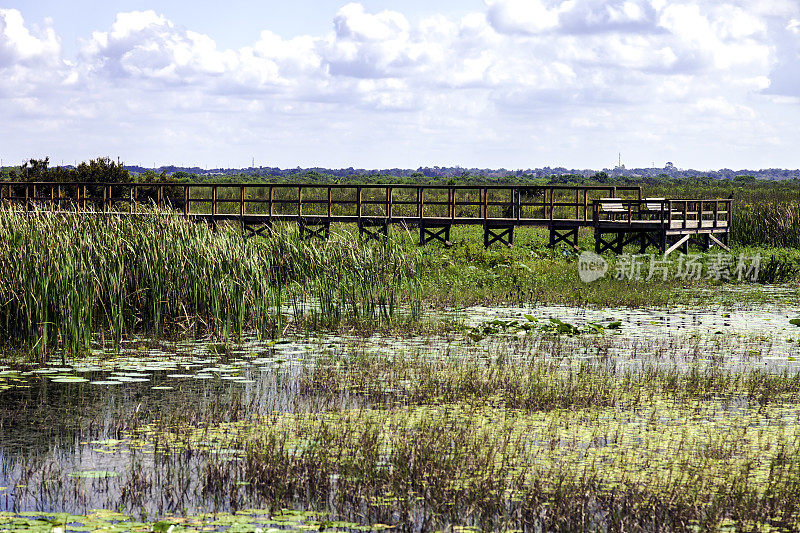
<point>166,428</point>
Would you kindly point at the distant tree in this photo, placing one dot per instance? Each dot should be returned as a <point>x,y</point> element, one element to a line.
<point>102,170</point>
<point>34,170</point>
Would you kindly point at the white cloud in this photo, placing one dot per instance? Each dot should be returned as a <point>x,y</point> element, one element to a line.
<point>522,16</point>
<point>19,46</point>
<point>499,75</point>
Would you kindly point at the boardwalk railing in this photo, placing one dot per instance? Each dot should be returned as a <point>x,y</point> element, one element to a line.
<point>668,214</point>
<point>458,204</point>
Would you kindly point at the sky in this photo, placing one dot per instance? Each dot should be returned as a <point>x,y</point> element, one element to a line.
<point>705,84</point>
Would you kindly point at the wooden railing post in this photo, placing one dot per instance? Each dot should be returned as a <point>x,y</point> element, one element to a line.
<point>358,202</point>
<point>241,202</point>
<point>585,200</point>
<point>685,212</point>
<point>300,201</point>
<point>330,202</point>
<point>213,202</point>
<point>420,200</point>
<point>449,201</point>
<point>271,200</point>
<point>485,192</point>
<point>186,195</point>
<point>519,202</point>
<point>389,200</point>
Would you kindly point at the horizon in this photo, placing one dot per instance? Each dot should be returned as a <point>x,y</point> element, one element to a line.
<point>515,84</point>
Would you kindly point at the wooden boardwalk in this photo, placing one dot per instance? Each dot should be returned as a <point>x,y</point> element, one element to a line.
<point>618,215</point>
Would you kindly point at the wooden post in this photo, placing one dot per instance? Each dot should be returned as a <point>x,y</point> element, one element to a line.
<point>552,192</point>
<point>300,201</point>
<point>358,203</point>
<point>213,202</point>
<point>420,202</point>
<point>160,197</point>
<point>685,212</point>
<point>186,200</point>
<point>585,201</point>
<point>485,206</point>
<point>271,200</point>
<point>518,193</point>
<point>241,202</point>
<point>135,196</point>
<point>330,202</point>
<point>389,203</point>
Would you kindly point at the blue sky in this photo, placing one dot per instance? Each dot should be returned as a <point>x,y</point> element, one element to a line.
<point>376,84</point>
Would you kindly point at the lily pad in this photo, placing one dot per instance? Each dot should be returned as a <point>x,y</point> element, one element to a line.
<point>93,474</point>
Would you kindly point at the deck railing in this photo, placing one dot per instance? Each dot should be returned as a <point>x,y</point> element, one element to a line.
<point>345,202</point>
<point>671,214</point>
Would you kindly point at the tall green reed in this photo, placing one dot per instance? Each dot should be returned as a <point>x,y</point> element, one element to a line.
<point>66,276</point>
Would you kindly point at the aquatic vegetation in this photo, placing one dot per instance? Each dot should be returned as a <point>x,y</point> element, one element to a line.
<point>552,325</point>
<point>67,276</point>
<point>519,431</point>
<point>245,520</point>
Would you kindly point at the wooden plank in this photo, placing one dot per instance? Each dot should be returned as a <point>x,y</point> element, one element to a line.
<point>677,245</point>
<point>718,242</point>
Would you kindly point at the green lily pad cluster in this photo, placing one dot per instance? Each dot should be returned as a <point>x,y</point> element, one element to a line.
<point>553,326</point>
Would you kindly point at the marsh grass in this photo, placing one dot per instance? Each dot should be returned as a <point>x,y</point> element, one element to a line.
<point>515,444</point>
<point>66,276</point>
<point>509,433</point>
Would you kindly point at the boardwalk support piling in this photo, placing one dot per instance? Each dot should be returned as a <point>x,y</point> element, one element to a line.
<point>498,232</point>
<point>568,235</point>
<point>430,231</point>
<point>312,227</point>
<point>377,229</point>
<point>259,229</point>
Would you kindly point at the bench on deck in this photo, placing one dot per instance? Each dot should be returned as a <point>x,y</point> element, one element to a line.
<point>613,207</point>
<point>656,207</point>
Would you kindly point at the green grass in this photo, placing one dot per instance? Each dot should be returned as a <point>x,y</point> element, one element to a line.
<point>68,280</point>
<point>515,443</point>
<point>64,277</point>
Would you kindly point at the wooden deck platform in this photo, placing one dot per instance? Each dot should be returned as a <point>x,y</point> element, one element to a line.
<point>618,215</point>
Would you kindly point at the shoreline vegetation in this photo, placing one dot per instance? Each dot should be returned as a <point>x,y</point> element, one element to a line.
<point>66,277</point>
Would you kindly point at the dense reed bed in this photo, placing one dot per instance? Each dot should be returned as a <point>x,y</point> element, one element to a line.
<point>66,276</point>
